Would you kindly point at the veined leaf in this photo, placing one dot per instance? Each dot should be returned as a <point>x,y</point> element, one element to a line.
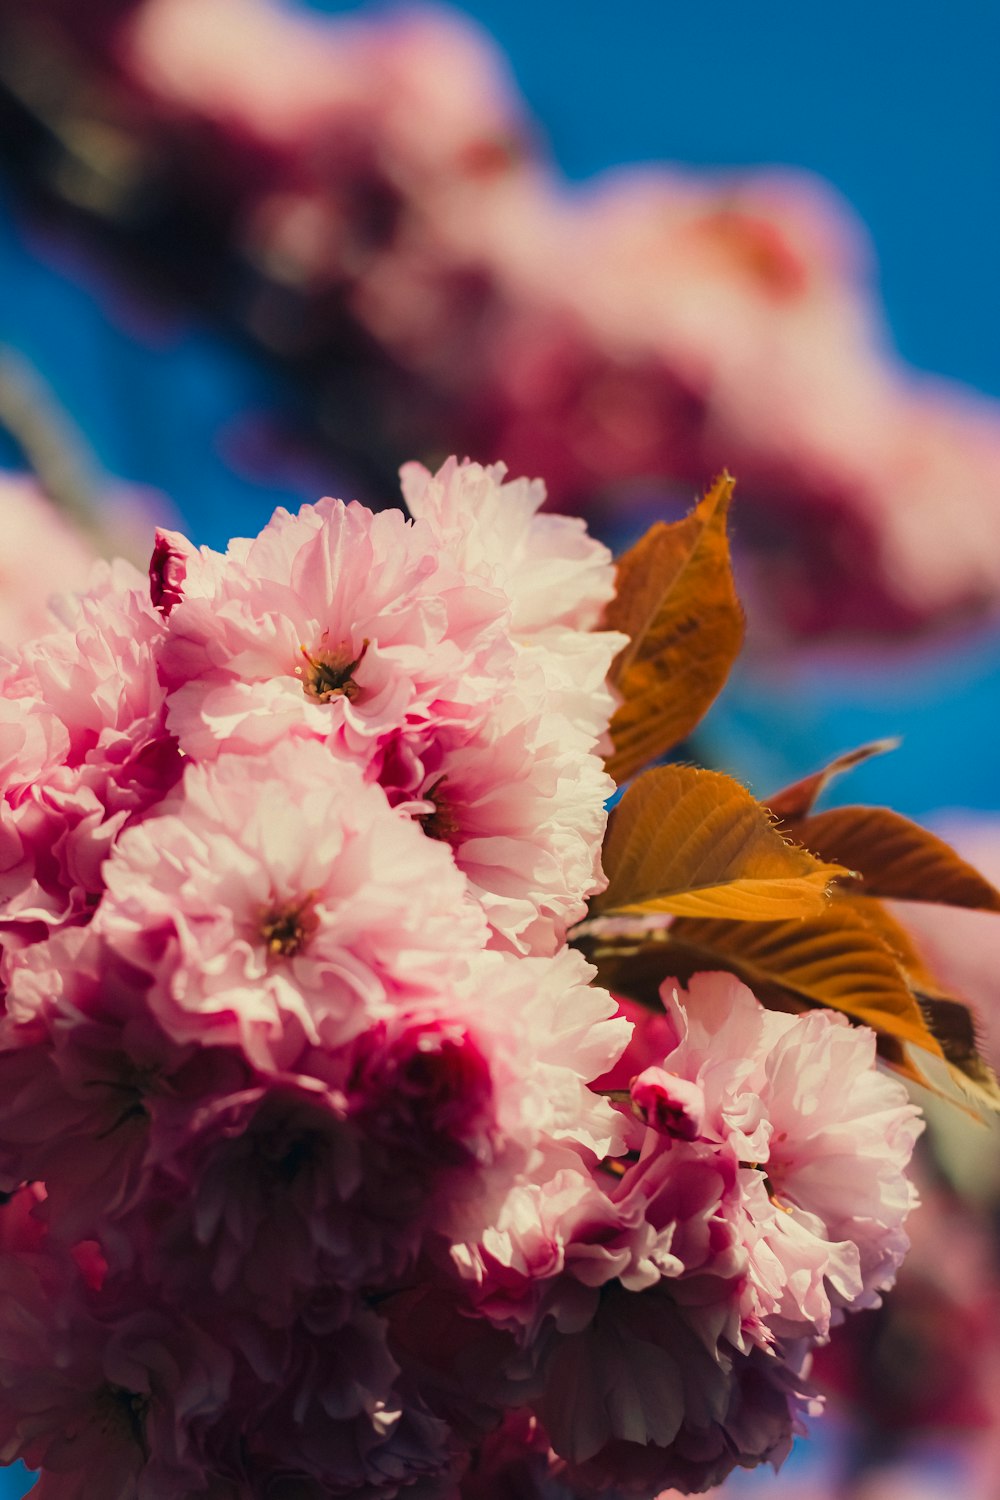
<point>895,857</point>
<point>893,934</point>
<point>677,603</point>
<point>696,843</point>
<point>856,958</point>
<point>836,960</point>
<point>638,970</point>
<point>950,1020</point>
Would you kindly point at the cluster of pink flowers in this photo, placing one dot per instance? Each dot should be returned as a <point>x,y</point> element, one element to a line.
<point>369,202</point>
<point>328,1171</point>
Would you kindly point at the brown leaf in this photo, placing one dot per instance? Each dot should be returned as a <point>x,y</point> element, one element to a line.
<point>637,969</point>
<point>797,800</point>
<point>677,603</point>
<point>949,1019</point>
<point>856,959</point>
<point>954,1026</point>
<point>895,857</point>
<point>696,843</point>
<point>835,960</point>
<point>897,939</point>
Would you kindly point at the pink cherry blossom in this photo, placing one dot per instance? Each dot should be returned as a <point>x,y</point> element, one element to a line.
<point>518,791</point>
<point>168,569</point>
<point>521,804</point>
<point>324,1151</point>
<point>334,624</point>
<point>674,1106</point>
<point>729,1220</point>
<point>281,903</point>
<point>90,1082</point>
<point>250,1201</point>
<point>746,1418</point>
<point>548,1031</point>
<point>384,1447</point>
<point>819,1137</point>
<point>484,725</point>
<point>95,753</point>
<point>291,1185</point>
<point>514,1459</point>
<point>552,572</point>
<point>557,579</point>
<point>640,1390</point>
<point>421,1089</point>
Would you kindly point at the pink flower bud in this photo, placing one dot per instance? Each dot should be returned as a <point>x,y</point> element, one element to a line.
<point>671,1105</point>
<point>168,569</point>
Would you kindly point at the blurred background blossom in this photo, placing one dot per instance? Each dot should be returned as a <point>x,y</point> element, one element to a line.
<point>255,252</point>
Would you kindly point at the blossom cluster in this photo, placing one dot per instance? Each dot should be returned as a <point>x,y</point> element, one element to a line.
<point>328,1170</point>
<point>368,199</point>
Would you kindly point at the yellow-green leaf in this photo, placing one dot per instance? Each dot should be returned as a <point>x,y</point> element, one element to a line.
<point>677,603</point>
<point>895,857</point>
<point>696,843</point>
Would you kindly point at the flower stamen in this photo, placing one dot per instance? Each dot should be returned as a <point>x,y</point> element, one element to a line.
<point>440,822</point>
<point>122,1414</point>
<point>286,929</point>
<point>331,673</point>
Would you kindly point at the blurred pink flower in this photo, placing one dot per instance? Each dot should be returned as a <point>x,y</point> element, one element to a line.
<point>387,207</point>
<point>42,556</point>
